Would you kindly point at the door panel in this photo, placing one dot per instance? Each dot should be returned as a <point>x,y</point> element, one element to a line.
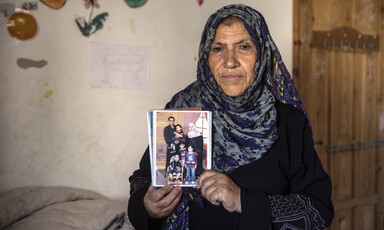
<point>341,175</point>
<point>343,220</point>
<point>342,88</point>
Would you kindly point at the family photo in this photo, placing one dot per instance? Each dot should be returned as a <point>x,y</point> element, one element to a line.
<point>181,146</point>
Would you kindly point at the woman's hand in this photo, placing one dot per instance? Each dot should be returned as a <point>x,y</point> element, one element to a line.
<point>219,189</point>
<point>161,202</point>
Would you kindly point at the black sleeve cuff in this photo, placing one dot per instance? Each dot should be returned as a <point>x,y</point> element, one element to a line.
<point>254,211</point>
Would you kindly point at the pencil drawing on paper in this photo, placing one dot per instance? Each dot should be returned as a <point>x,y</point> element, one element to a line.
<point>120,66</point>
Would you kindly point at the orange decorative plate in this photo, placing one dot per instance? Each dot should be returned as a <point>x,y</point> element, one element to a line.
<point>22,26</point>
<point>55,4</point>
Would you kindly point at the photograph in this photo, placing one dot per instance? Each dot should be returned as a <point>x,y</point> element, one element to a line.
<point>181,146</point>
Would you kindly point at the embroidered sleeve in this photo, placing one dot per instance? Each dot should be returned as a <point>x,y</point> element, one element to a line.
<point>294,212</point>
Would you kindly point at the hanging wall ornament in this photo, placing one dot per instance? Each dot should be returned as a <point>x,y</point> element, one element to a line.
<point>93,25</point>
<point>54,4</point>
<point>135,3</point>
<point>29,6</point>
<point>22,26</point>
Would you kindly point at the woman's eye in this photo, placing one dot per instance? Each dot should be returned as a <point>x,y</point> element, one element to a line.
<point>217,49</point>
<point>245,47</point>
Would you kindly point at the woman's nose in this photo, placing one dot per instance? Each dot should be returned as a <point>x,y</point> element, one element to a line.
<point>231,60</point>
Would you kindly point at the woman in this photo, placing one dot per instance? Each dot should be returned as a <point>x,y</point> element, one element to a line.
<point>266,173</point>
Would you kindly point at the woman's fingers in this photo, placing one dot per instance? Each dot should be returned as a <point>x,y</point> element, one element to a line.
<point>207,182</point>
<point>204,176</point>
<point>220,189</point>
<point>213,195</point>
<point>174,203</point>
<point>156,195</point>
<point>160,202</point>
<point>170,197</point>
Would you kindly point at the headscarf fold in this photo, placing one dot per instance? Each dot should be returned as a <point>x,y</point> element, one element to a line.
<point>244,127</point>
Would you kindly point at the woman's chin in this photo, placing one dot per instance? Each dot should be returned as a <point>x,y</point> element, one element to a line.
<point>233,92</point>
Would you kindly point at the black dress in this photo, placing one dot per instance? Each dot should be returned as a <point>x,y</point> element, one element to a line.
<point>285,189</point>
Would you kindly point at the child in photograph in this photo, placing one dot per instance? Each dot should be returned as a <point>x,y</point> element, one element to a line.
<point>182,153</point>
<point>179,135</point>
<point>175,169</point>
<point>190,164</point>
<point>194,137</point>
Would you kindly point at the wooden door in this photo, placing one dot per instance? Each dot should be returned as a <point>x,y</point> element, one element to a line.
<point>339,73</point>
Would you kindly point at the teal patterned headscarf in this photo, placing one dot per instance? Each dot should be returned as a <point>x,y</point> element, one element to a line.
<point>244,127</point>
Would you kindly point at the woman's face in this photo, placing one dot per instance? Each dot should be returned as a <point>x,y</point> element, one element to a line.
<point>232,58</point>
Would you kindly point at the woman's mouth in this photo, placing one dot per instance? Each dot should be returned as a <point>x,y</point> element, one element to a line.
<point>231,77</point>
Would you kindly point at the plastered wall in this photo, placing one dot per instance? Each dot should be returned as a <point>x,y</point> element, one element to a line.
<point>55,129</point>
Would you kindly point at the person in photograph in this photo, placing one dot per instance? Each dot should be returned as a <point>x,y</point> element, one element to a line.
<point>193,131</point>
<point>175,169</point>
<point>169,131</point>
<point>179,136</point>
<point>194,137</point>
<point>190,165</point>
<point>182,152</point>
<point>266,174</point>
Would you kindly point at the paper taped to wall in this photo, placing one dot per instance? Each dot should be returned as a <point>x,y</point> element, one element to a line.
<point>120,66</point>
